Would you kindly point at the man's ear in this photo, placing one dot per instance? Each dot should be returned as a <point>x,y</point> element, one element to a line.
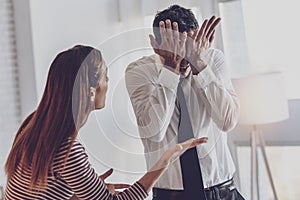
<point>92,93</point>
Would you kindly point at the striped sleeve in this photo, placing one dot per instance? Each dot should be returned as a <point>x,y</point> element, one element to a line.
<point>85,182</point>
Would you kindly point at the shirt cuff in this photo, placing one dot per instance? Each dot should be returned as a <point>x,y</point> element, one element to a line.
<point>140,189</point>
<point>206,76</point>
<point>168,79</point>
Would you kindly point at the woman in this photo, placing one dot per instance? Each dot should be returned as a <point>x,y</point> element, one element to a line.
<point>46,161</point>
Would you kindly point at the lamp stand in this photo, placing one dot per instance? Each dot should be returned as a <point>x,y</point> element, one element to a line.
<point>254,164</point>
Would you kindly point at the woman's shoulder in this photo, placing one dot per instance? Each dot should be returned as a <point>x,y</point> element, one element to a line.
<point>69,142</point>
<point>69,153</point>
<point>70,147</point>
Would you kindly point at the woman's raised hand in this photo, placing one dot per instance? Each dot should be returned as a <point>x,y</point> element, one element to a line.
<point>176,151</point>
<point>112,187</point>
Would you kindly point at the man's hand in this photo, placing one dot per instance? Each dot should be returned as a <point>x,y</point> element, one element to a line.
<point>172,47</point>
<point>198,42</point>
<point>112,187</point>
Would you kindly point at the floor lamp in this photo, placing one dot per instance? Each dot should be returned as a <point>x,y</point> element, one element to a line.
<point>263,101</point>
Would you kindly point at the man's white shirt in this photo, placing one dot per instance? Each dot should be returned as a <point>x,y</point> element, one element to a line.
<point>213,109</point>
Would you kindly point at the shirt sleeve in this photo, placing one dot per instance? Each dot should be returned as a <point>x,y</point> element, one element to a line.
<point>219,94</point>
<point>153,96</point>
<point>85,182</point>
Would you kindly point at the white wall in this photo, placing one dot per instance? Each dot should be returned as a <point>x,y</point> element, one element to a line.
<point>43,29</point>
<point>58,25</point>
<point>110,136</point>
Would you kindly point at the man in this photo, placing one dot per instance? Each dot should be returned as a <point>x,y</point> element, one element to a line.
<point>183,56</point>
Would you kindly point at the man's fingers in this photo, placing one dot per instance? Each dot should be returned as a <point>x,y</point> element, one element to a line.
<point>106,174</point>
<point>175,28</point>
<point>175,32</point>
<point>162,31</point>
<point>182,42</point>
<point>190,42</point>
<point>177,46</point>
<point>191,33</point>
<point>202,30</point>
<point>209,23</point>
<point>211,37</point>
<point>212,27</point>
<point>153,42</point>
<point>169,31</point>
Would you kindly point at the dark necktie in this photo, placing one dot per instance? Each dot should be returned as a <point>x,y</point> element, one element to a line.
<point>190,167</point>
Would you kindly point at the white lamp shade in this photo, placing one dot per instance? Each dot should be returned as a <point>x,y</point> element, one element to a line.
<point>262,98</point>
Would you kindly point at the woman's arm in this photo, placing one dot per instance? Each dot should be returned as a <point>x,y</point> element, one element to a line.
<point>81,177</point>
<point>85,182</point>
<point>152,176</point>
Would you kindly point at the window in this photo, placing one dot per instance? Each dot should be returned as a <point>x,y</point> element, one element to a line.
<point>9,85</point>
<point>261,36</point>
<point>234,38</point>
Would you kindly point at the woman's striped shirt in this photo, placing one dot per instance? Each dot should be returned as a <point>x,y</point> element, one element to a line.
<point>77,177</point>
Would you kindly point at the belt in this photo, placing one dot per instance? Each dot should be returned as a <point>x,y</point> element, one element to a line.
<point>213,192</point>
<point>166,194</point>
<point>221,190</point>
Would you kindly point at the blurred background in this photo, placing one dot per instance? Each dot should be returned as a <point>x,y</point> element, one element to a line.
<point>257,37</point>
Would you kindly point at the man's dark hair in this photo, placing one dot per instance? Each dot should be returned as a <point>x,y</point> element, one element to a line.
<point>184,17</point>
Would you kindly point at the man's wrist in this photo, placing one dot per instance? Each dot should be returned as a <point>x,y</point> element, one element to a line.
<point>196,69</point>
<point>172,66</point>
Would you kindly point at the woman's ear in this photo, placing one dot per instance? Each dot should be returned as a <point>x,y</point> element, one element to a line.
<point>92,94</point>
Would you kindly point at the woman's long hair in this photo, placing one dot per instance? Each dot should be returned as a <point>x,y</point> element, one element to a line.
<point>63,109</point>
